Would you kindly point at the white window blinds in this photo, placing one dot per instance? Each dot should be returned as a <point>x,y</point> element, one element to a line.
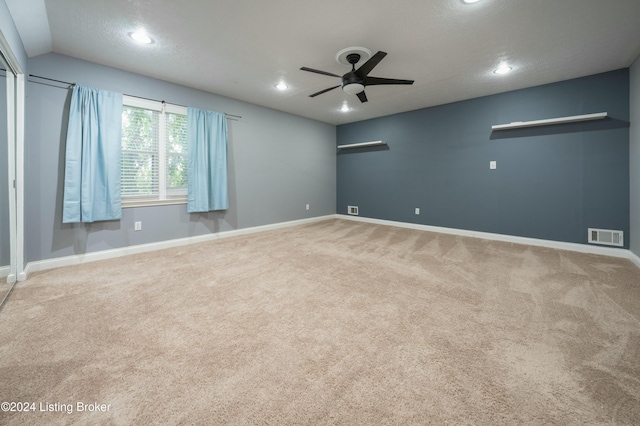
<point>176,159</point>
<point>154,152</point>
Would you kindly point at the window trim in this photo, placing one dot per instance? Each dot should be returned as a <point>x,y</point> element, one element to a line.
<point>163,108</point>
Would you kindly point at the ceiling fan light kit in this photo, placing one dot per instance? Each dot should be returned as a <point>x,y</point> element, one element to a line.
<point>353,88</point>
<point>355,81</point>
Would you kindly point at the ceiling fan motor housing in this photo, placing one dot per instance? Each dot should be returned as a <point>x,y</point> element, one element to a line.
<point>352,83</point>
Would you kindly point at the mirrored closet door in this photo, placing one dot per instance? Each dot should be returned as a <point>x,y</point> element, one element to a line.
<point>7,176</point>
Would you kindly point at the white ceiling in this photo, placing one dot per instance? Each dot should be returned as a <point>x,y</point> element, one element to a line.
<point>242,48</point>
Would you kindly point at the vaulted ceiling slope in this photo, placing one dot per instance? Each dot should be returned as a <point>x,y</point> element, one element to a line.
<point>242,49</point>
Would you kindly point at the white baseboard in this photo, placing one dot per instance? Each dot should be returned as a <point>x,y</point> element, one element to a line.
<point>583,248</point>
<point>58,262</point>
<point>5,273</point>
<point>42,265</point>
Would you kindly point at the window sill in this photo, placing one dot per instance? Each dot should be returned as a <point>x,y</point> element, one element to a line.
<point>150,203</point>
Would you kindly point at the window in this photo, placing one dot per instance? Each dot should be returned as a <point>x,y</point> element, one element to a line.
<point>154,152</point>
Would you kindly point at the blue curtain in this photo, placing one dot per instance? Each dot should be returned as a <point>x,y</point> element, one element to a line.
<point>92,164</point>
<point>207,171</point>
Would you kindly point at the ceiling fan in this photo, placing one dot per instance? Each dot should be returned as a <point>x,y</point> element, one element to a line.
<point>356,80</point>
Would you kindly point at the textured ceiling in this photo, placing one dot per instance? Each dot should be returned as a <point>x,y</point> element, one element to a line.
<point>242,48</point>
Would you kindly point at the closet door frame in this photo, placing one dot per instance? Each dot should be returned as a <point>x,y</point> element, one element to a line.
<point>15,133</point>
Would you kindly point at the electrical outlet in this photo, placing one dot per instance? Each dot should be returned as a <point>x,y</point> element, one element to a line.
<point>417,210</point>
<point>492,165</point>
<point>137,226</point>
<point>307,206</point>
<point>352,210</point>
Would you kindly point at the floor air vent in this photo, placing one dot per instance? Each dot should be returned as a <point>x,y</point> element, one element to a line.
<point>606,236</point>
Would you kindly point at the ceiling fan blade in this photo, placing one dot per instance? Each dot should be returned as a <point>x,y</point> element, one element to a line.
<point>320,72</point>
<point>324,91</point>
<point>362,97</point>
<point>370,64</point>
<point>373,81</point>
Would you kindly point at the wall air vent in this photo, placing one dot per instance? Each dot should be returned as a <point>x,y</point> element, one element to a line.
<point>352,210</point>
<point>606,236</point>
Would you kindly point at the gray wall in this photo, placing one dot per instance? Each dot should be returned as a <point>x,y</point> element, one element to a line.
<point>8,28</point>
<point>634,157</point>
<point>551,182</point>
<point>5,246</point>
<point>278,162</point>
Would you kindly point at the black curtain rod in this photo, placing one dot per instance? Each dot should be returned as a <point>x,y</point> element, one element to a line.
<point>133,96</point>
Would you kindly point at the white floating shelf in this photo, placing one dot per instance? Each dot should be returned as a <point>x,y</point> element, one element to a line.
<point>560,120</point>
<point>362,144</point>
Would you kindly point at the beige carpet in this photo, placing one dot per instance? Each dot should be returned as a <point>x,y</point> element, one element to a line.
<point>336,322</point>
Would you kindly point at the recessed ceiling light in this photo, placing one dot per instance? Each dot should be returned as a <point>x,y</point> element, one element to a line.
<point>345,108</point>
<point>470,1</point>
<point>141,37</point>
<point>502,69</point>
<point>282,86</point>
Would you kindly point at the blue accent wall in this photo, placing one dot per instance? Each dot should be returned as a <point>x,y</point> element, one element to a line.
<point>551,182</point>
